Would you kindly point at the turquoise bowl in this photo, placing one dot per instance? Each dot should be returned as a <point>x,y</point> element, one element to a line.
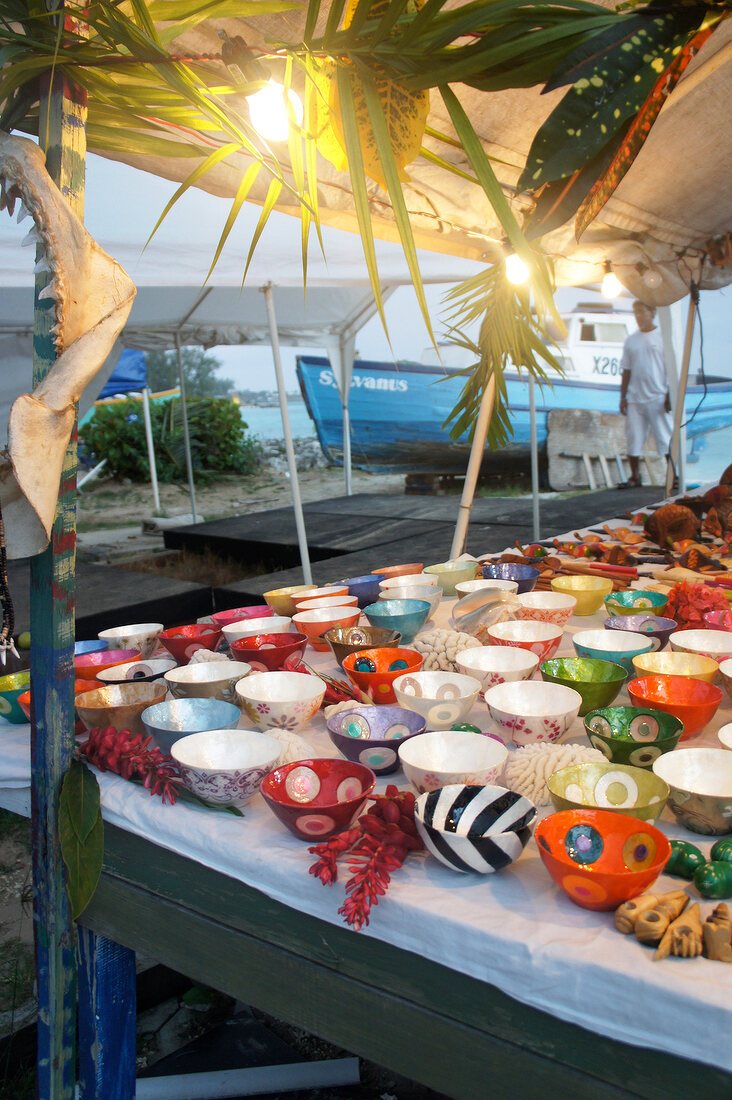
<point>633,600</point>
<point>11,687</point>
<point>598,682</point>
<point>406,616</point>
<point>618,646</point>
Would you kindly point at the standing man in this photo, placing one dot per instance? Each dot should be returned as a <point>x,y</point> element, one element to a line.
<point>644,396</point>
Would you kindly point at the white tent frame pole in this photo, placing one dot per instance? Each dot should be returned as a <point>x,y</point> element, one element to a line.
<point>287,434</point>
<point>674,450</point>
<point>150,448</point>
<point>341,361</point>
<point>534,461</point>
<point>186,433</point>
<point>471,474</point>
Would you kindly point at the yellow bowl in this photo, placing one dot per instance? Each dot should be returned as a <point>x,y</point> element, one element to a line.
<point>589,592</point>
<point>282,600</point>
<point>676,664</point>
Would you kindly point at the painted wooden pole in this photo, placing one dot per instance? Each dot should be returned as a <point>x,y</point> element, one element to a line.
<point>107,1019</point>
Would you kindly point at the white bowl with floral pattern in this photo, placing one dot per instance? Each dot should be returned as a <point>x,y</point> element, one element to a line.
<point>546,607</point>
<point>533,710</point>
<point>225,767</point>
<point>436,759</point>
<point>497,664</point>
<point>288,700</point>
<point>543,639</point>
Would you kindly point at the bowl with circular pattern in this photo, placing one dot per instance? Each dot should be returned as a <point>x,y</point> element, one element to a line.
<point>315,798</point>
<point>288,700</point>
<point>450,573</point>
<point>496,664</point>
<point>442,698</point>
<point>225,767</point>
<point>207,680</point>
<point>546,607</point>
<point>618,646</point>
<point>282,600</point>
<point>636,792</point>
<point>675,664</point>
<point>119,705</point>
<point>345,640</point>
<point>528,711</point>
<point>694,702</point>
<point>541,639</point>
<point>598,682</point>
<point>314,624</point>
<point>632,735</point>
<point>140,636</point>
<point>87,665</point>
<point>139,671</point>
<point>443,757</point>
<point>600,858</point>
<point>474,829</point>
<point>700,788</point>
<point>12,687</point>
<point>372,735</point>
<point>633,601</point>
<point>268,652</point>
<point>182,642</point>
<point>525,576</point>
<point>406,616</point>
<point>716,644</point>
<point>589,591</point>
<point>657,628</point>
<point>373,671</point>
<point>173,719</point>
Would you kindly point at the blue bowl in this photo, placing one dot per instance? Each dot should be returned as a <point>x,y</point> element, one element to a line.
<point>372,735</point>
<point>524,575</point>
<point>617,646</point>
<point>365,589</point>
<point>11,686</point>
<point>406,616</point>
<point>634,601</point>
<point>651,625</point>
<point>167,722</point>
<point>94,645</point>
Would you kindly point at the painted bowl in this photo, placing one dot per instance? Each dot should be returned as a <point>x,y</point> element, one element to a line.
<point>598,682</point>
<point>546,607</point>
<point>635,792</point>
<point>372,735</point>
<point>496,664</point>
<point>140,636</point>
<point>288,700</point>
<point>241,614</point>
<point>268,652</point>
<point>700,788</point>
<point>618,646</point>
<point>316,798</point>
<point>524,575</point>
<point>388,571</point>
<point>314,624</point>
<point>716,644</point>
<point>600,858</point>
<point>656,627</point>
<point>208,680</point>
<point>173,719</point>
<point>432,594</point>
<point>541,639</point>
<point>717,620</point>
<point>442,698</point>
<point>247,628</point>
<point>182,642</point>
<point>225,767</point>
<point>343,641</point>
<point>474,829</point>
<point>675,664</point>
<point>325,603</point>
<point>589,592</point>
<point>444,757</point>
<point>12,687</point>
<point>725,669</point>
<point>481,584</point>
<point>450,573</point>
<point>119,705</point>
<point>724,735</point>
<point>373,671</point>
<point>282,600</point>
<point>365,588</point>
<point>80,686</point>
<point>635,600</point>
<point>87,665</point>
<point>406,616</point>
<point>693,702</point>
<point>408,579</point>
<point>91,646</point>
<point>139,671</point>
<point>532,710</point>
<point>633,735</point>
<point>327,590</point>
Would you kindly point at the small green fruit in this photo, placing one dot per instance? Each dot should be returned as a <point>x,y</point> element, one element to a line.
<point>24,640</point>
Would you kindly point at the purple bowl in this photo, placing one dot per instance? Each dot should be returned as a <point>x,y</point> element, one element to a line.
<point>365,589</point>
<point>653,625</point>
<point>524,575</point>
<point>372,735</point>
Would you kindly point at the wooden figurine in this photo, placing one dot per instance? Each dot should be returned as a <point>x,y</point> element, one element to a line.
<point>652,924</point>
<point>628,913</point>
<point>717,934</point>
<point>683,937</point>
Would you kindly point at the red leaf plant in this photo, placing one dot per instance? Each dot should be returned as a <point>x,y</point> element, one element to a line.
<point>374,847</point>
<point>687,603</point>
<point>129,755</point>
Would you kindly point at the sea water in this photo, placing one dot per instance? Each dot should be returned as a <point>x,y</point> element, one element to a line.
<point>267,422</point>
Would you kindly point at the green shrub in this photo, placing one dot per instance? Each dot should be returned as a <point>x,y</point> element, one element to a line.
<point>219,443</point>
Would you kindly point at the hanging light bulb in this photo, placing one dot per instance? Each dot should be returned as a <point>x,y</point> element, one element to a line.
<point>516,270</point>
<point>611,285</point>
<point>652,278</point>
<point>268,111</point>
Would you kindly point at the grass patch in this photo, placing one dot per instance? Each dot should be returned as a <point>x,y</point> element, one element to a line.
<point>184,565</point>
<point>15,827</point>
<point>17,974</point>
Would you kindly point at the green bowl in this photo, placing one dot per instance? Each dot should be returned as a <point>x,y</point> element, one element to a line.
<point>634,792</point>
<point>11,687</point>
<point>633,735</point>
<point>632,601</point>
<point>598,682</point>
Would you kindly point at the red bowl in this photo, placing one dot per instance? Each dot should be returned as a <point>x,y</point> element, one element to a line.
<point>268,652</point>
<point>693,702</point>
<point>239,614</point>
<point>317,798</point>
<point>87,665</point>
<point>718,620</point>
<point>182,642</point>
<point>601,858</point>
<point>374,671</point>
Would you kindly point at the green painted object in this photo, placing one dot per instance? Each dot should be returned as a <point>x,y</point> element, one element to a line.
<point>714,880</point>
<point>598,682</point>
<point>722,850</point>
<point>630,791</point>
<point>685,859</point>
<point>632,735</point>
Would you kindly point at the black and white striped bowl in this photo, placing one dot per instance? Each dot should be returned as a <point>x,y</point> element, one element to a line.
<point>474,829</point>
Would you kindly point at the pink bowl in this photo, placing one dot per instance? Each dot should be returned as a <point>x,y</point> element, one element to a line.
<point>268,652</point>
<point>539,638</point>
<point>718,620</point>
<point>316,623</point>
<point>87,665</point>
<point>182,642</point>
<point>238,614</point>
<point>317,798</point>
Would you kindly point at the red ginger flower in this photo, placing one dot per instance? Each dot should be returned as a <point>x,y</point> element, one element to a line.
<point>129,755</point>
<point>688,603</point>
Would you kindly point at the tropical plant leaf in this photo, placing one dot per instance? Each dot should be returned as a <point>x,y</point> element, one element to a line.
<point>81,835</point>
<point>273,193</point>
<point>247,182</point>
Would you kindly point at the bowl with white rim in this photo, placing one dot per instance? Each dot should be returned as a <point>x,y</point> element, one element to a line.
<point>273,624</point>
<point>546,607</point>
<point>700,788</point>
<point>529,711</point>
<point>324,603</point>
<point>464,588</point>
<point>724,735</point>
<point>141,636</point>
<point>318,621</point>
<point>497,664</point>
<point>285,699</point>
<point>436,759</point>
<point>142,670</point>
<point>432,594</point>
<point>225,767</point>
<point>542,639</point>
<point>716,644</point>
<point>409,579</point>
<point>324,592</point>
<point>172,719</point>
<point>207,680</point>
<point>619,646</point>
<point>442,698</point>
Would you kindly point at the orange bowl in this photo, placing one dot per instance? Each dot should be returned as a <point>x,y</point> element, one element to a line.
<point>374,671</point>
<point>315,623</point>
<point>87,665</point>
<point>400,570</point>
<point>693,702</point>
<point>601,858</point>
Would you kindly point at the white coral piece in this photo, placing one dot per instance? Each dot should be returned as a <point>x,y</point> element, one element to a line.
<point>294,747</point>
<point>527,769</point>
<point>205,656</point>
<point>439,648</point>
<point>336,708</point>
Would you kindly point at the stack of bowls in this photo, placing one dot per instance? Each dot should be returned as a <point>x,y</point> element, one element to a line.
<point>474,829</point>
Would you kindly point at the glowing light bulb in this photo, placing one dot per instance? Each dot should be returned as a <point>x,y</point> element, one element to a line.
<point>516,270</point>
<point>611,285</point>
<point>268,111</point>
